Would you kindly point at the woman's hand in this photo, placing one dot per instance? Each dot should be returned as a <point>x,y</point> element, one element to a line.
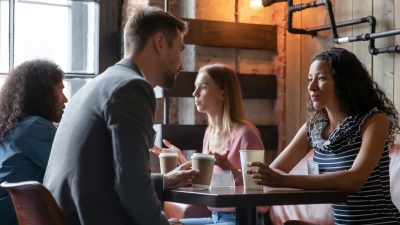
<point>156,150</point>
<point>267,176</point>
<point>221,159</point>
<point>171,148</point>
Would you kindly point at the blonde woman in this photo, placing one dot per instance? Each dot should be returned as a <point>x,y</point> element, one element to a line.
<point>218,93</point>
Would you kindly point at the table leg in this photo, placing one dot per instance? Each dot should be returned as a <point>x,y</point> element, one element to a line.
<point>246,215</point>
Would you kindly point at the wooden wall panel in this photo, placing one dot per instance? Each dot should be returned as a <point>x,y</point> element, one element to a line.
<point>362,8</point>
<point>293,79</point>
<point>383,63</point>
<point>343,12</point>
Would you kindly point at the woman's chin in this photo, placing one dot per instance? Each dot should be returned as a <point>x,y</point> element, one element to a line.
<point>318,106</point>
<point>198,108</point>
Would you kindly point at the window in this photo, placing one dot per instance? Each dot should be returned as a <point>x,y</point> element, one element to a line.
<point>68,32</point>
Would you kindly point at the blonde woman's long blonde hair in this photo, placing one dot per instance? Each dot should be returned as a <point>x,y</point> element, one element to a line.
<point>233,111</point>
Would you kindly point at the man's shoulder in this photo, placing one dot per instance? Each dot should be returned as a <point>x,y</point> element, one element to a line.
<point>120,73</point>
<point>114,78</point>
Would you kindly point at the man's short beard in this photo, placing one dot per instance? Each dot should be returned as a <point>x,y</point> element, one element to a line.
<point>169,81</point>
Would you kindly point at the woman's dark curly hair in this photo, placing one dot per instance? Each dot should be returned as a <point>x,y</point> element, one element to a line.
<point>29,91</point>
<point>355,88</point>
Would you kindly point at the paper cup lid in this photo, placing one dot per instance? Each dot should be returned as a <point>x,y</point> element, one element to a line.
<point>203,156</point>
<point>164,154</point>
<point>250,150</point>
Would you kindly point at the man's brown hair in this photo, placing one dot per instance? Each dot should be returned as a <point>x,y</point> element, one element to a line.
<point>145,22</point>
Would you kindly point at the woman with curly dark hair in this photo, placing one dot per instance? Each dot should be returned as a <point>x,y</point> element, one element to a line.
<point>350,125</point>
<point>30,101</point>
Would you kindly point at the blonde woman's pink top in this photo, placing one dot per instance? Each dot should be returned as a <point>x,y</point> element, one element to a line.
<point>243,137</point>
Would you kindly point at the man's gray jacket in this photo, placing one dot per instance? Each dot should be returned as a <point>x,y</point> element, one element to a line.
<point>99,170</point>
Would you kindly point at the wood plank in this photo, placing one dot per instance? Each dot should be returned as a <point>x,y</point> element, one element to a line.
<point>396,59</point>
<point>362,8</point>
<point>383,63</point>
<point>190,137</point>
<point>343,11</point>
<point>293,79</point>
<point>109,32</point>
<point>253,86</point>
<point>228,34</point>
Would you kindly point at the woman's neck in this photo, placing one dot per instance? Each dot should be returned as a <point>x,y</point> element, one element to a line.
<point>336,117</point>
<point>216,121</point>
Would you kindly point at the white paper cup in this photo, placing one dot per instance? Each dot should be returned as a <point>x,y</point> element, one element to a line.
<point>205,164</point>
<point>168,162</point>
<point>250,156</point>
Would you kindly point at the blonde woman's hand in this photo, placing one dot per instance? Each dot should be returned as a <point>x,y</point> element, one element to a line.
<point>171,148</point>
<point>221,159</point>
<point>156,150</point>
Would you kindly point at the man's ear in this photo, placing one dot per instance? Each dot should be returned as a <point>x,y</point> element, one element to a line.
<point>158,42</point>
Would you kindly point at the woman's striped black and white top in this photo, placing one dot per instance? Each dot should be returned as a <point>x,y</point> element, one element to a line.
<point>373,203</point>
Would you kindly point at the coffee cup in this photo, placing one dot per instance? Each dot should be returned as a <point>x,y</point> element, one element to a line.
<point>205,164</point>
<point>250,156</point>
<point>168,162</point>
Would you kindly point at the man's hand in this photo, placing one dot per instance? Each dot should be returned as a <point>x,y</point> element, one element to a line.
<point>180,176</point>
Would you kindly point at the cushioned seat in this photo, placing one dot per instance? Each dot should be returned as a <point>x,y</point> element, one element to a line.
<point>34,204</point>
<point>179,210</point>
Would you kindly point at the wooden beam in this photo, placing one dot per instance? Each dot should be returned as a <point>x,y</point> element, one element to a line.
<point>253,86</point>
<point>229,34</point>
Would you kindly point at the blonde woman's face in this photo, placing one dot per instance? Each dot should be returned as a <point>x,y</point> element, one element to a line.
<point>208,97</point>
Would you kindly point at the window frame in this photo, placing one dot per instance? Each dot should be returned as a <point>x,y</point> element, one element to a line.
<point>107,36</point>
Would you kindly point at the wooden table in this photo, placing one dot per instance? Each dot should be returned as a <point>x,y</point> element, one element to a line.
<point>246,201</point>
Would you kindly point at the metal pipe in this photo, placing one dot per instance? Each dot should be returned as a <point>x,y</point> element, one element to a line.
<point>166,6</point>
<point>338,25</point>
<point>384,34</point>
<point>366,37</point>
<point>295,8</point>
<point>328,5</point>
<point>386,50</point>
<point>289,25</point>
<point>333,26</point>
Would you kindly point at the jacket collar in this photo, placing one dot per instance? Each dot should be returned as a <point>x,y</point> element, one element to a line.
<point>129,64</point>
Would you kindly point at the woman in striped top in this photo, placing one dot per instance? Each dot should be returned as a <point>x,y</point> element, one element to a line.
<point>350,125</point>
<point>30,100</point>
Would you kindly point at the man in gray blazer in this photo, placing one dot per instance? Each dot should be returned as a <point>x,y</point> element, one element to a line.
<point>99,170</point>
